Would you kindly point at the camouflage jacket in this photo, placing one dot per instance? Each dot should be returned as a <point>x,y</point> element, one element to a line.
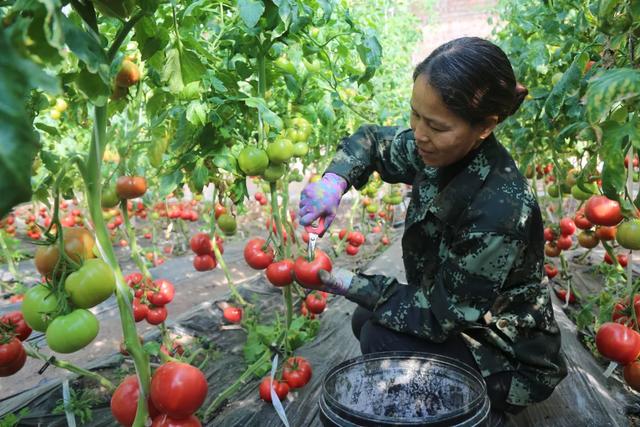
<point>473,254</point>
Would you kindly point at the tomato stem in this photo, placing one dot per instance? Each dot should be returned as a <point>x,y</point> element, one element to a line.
<point>63,364</point>
<point>133,242</point>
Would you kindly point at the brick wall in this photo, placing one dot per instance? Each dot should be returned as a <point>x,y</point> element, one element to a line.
<point>453,19</point>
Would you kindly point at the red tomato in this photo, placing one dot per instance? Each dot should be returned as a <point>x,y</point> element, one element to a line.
<point>280,273</point>
<point>161,293</point>
<point>549,234</point>
<point>606,233</point>
<point>551,271</point>
<point>140,310</point>
<point>259,196</point>
<point>342,233</point>
<point>233,314</point>
<point>588,239</point>
<point>564,242</point>
<point>157,315</point>
<point>14,321</point>
<point>351,250</point>
<point>204,262</point>
<point>315,303</point>
<point>376,229</point>
<point>622,260</point>
<point>567,227</point>
<point>306,272</point>
<point>562,294</point>
<point>178,389</point>
<point>551,250</point>
<point>356,238</point>
<point>257,255</point>
<point>166,421</point>
<point>384,240</point>
<point>219,210</point>
<point>130,187</point>
<point>601,210</point>
<point>281,388</point>
<point>618,343</point>
<point>124,401</point>
<point>305,311</point>
<point>12,357</point>
<point>296,372</point>
<point>632,375</point>
<point>201,244</point>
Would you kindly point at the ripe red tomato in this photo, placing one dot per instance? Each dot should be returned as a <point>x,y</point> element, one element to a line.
<point>12,357</point>
<point>564,242</point>
<point>549,234</point>
<point>124,401</point>
<point>342,233</point>
<point>280,273</point>
<point>315,303</point>
<point>219,210</point>
<point>632,375</point>
<point>201,244</point>
<point>567,227</point>
<point>601,210</point>
<point>130,187</point>
<point>550,270</point>
<point>204,262</point>
<point>618,343</point>
<point>562,294</point>
<point>178,389</point>
<point>281,388</point>
<point>622,260</point>
<point>256,255</point>
<point>140,310</point>
<point>306,272</point>
<point>128,75</point>
<point>296,372</point>
<point>16,324</point>
<point>259,196</point>
<point>622,312</point>
<point>161,293</point>
<point>305,311</point>
<point>232,314</point>
<point>384,240</point>
<point>356,238</point>
<point>351,250</point>
<point>606,233</point>
<point>166,421</point>
<point>157,315</point>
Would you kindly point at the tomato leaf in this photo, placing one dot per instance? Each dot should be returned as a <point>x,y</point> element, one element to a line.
<point>612,154</point>
<point>238,191</point>
<point>168,183</point>
<point>250,11</point>
<point>197,113</point>
<point>569,82</point>
<point>608,88</point>
<point>85,46</point>
<point>370,52</point>
<point>268,115</point>
<point>93,87</point>
<point>200,176</point>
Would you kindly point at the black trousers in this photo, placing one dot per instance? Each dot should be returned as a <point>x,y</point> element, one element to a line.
<point>375,338</point>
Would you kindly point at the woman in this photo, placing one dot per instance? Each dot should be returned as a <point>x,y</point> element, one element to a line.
<point>473,244</point>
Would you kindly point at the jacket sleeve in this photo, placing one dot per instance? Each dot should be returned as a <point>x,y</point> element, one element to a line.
<point>464,289</point>
<point>390,151</point>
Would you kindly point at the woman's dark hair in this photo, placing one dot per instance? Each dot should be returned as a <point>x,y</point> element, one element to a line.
<point>474,78</point>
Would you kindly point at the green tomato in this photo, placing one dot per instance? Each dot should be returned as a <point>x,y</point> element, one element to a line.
<point>578,194</point>
<point>155,216</point>
<point>565,188</point>
<point>300,149</point>
<point>93,283</point>
<point>312,67</point>
<point>372,208</point>
<point>274,172</point>
<point>227,224</point>
<point>280,151</point>
<point>109,197</point>
<point>395,200</point>
<point>300,130</point>
<point>72,331</point>
<point>628,234</point>
<point>285,65</point>
<point>253,160</point>
<point>555,79</point>
<point>38,307</point>
<point>553,190</point>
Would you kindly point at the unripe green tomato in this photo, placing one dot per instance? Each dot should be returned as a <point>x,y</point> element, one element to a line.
<point>227,224</point>
<point>628,234</point>
<point>372,208</point>
<point>274,172</point>
<point>578,194</point>
<point>38,307</point>
<point>300,149</point>
<point>73,331</point>
<point>109,197</point>
<point>92,284</point>
<point>253,160</point>
<point>280,151</point>
<point>553,190</point>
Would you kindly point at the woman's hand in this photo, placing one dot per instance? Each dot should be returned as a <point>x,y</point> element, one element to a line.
<point>337,282</point>
<point>321,199</point>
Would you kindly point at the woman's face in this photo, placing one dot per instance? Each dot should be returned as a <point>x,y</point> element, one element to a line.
<point>442,137</point>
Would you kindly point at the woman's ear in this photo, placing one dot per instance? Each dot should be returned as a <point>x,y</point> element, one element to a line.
<point>487,126</point>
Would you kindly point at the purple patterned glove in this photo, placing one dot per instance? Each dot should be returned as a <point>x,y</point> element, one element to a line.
<point>337,282</point>
<point>321,199</point>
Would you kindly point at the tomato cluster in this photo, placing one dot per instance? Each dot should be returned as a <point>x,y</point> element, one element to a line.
<point>13,330</point>
<point>314,303</point>
<point>150,298</point>
<point>296,373</point>
<point>202,246</point>
<point>261,198</point>
<point>180,210</point>
<point>354,238</point>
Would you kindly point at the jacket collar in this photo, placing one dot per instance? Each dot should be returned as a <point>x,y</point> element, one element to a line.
<point>458,194</point>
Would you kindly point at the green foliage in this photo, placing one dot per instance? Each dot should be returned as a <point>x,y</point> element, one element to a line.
<point>13,420</point>
<point>80,404</point>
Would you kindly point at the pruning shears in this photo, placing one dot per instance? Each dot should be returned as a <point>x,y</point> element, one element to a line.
<point>314,231</point>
